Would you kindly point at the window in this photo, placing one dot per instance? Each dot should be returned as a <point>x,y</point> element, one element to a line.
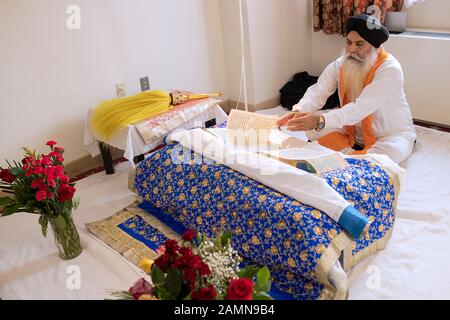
<point>433,14</point>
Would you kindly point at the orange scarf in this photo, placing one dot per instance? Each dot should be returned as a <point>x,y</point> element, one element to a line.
<point>339,141</point>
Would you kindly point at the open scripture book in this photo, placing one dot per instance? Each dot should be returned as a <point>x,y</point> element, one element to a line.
<point>259,133</point>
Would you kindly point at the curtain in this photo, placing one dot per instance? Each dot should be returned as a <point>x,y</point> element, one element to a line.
<point>330,15</point>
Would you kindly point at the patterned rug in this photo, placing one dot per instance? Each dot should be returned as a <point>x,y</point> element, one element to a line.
<point>133,233</point>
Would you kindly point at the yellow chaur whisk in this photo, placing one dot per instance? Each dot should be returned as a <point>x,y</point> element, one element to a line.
<point>112,115</point>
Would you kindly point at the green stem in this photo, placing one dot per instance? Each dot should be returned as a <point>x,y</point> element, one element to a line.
<point>68,239</point>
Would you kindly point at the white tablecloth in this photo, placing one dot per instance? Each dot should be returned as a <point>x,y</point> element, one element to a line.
<point>131,141</point>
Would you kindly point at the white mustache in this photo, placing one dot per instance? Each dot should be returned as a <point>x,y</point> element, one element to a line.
<point>354,56</point>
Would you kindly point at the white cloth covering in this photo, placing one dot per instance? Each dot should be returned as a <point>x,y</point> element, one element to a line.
<point>131,141</point>
<point>384,98</point>
<point>298,184</point>
<point>414,265</point>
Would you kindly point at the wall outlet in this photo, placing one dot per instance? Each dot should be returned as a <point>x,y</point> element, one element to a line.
<point>121,90</point>
<point>145,84</point>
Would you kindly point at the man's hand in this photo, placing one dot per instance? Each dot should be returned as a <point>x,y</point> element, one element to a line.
<point>284,120</point>
<point>303,122</point>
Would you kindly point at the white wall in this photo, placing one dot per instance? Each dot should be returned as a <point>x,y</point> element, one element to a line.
<point>277,44</point>
<point>229,12</point>
<point>425,64</point>
<point>50,76</point>
<point>280,43</point>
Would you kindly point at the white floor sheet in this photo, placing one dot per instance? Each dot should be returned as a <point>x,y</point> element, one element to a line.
<point>414,265</point>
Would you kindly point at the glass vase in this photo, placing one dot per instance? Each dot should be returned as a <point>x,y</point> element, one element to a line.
<point>67,239</point>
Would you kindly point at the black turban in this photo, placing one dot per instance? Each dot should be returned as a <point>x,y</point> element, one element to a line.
<point>369,28</point>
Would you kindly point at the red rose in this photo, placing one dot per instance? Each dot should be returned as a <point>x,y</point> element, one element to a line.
<point>46,161</point>
<point>181,263</point>
<point>57,170</point>
<point>185,251</point>
<point>240,289</point>
<point>27,160</point>
<point>65,192</point>
<point>7,176</point>
<point>195,261</point>
<point>203,269</point>
<point>63,178</point>
<point>172,247</point>
<point>163,261</point>
<point>51,143</point>
<point>41,195</point>
<point>190,275</point>
<point>49,171</point>
<point>49,195</point>
<point>56,155</point>
<point>140,287</point>
<point>37,184</point>
<point>189,235</point>
<point>59,149</point>
<point>38,170</point>
<point>209,293</point>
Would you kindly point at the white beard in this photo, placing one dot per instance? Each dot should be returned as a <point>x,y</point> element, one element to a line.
<point>355,73</point>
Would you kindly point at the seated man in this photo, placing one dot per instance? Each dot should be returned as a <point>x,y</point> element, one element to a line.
<point>374,116</point>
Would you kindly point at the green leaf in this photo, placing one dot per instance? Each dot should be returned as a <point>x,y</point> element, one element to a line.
<point>122,295</point>
<point>60,222</point>
<point>261,296</point>
<point>173,282</point>
<point>18,172</point>
<point>157,275</point>
<point>5,201</point>
<point>75,202</point>
<point>226,237</point>
<point>198,239</point>
<point>43,221</point>
<point>68,204</point>
<point>21,195</point>
<point>163,294</point>
<point>9,164</point>
<point>12,208</point>
<point>263,281</point>
<point>249,272</point>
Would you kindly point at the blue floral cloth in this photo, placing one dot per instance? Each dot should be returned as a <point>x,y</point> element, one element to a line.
<point>268,228</point>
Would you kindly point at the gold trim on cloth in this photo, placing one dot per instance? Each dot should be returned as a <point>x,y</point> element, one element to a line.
<point>394,172</point>
<point>351,260</point>
<point>107,230</point>
<point>131,179</point>
<point>328,259</point>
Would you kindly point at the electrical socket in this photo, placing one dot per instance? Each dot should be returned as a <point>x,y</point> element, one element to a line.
<point>145,84</point>
<point>121,90</point>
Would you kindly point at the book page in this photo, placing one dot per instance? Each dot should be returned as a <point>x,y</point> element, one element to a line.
<point>244,120</point>
<point>249,129</point>
<point>310,161</point>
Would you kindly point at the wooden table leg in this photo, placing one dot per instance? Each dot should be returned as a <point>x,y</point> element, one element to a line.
<point>138,158</point>
<point>107,158</point>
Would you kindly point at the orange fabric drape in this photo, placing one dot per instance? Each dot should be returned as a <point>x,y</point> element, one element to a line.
<point>337,140</point>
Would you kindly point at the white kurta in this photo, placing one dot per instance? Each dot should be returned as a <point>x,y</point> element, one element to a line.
<point>384,98</point>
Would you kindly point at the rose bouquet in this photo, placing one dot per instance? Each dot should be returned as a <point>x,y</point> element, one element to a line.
<point>199,268</point>
<point>39,185</point>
